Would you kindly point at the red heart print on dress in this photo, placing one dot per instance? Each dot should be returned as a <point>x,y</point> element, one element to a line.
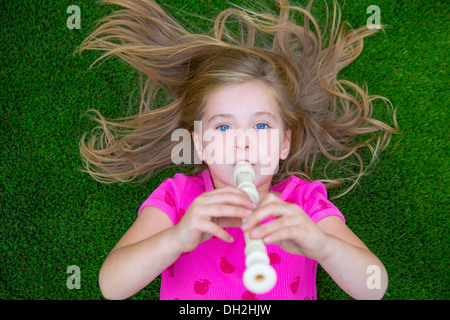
<point>201,286</point>
<point>294,285</point>
<point>290,200</point>
<point>324,204</point>
<point>170,269</point>
<point>225,266</point>
<point>274,258</point>
<point>180,215</point>
<point>169,199</point>
<point>247,295</point>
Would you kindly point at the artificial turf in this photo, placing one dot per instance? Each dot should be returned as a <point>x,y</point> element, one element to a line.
<point>54,216</point>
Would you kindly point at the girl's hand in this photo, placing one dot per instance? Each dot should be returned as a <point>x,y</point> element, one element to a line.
<point>293,230</point>
<point>209,213</point>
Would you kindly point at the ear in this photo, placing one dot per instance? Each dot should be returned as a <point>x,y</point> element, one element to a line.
<point>198,145</point>
<point>286,145</point>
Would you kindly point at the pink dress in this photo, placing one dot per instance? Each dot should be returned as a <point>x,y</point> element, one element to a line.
<point>213,271</point>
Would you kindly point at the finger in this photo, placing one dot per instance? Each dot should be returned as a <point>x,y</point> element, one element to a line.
<point>272,209</point>
<point>274,226</point>
<point>280,235</point>
<point>213,229</point>
<point>225,210</point>
<point>268,198</point>
<point>237,199</point>
<point>230,189</point>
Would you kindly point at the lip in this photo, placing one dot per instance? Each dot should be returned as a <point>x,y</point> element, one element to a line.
<point>253,164</point>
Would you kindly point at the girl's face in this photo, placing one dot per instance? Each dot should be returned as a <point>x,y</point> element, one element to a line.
<point>242,122</point>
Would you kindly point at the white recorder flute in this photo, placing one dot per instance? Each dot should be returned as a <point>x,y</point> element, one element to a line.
<point>259,276</point>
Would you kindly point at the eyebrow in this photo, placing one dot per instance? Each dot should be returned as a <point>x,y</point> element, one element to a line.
<point>226,115</point>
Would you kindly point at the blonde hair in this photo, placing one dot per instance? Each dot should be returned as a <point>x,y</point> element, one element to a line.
<point>326,116</point>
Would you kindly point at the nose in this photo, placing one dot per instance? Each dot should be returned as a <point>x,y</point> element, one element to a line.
<point>242,140</point>
<point>246,145</point>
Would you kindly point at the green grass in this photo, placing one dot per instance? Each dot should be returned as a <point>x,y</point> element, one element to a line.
<point>54,216</point>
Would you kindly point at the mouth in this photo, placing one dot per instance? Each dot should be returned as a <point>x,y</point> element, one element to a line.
<point>244,161</point>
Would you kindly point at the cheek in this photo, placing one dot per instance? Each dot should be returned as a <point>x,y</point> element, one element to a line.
<point>269,144</point>
<point>222,174</point>
<point>216,148</point>
<point>269,153</point>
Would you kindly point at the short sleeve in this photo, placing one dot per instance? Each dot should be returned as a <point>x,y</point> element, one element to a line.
<point>166,197</point>
<point>314,201</point>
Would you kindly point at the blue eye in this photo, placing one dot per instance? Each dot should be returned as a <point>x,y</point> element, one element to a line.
<point>261,126</point>
<point>223,127</point>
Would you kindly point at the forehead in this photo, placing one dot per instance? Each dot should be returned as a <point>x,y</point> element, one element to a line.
<point>242,100</point>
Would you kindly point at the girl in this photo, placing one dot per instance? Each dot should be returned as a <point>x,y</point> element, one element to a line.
<point>285,91</point>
